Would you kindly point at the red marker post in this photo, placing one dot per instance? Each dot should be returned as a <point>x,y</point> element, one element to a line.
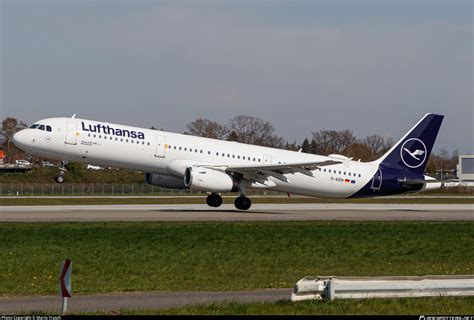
<point>65,283</point>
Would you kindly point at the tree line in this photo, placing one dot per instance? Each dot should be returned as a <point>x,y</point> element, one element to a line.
<point>254,130</point>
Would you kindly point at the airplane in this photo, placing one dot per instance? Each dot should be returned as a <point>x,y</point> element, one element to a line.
<point>181,161</point>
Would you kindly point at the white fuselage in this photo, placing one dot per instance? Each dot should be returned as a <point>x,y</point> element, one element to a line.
<point>160,152</point>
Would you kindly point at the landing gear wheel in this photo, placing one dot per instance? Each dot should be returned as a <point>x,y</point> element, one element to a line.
<point>60,179</point>
<point>243,203</point>
<point>214,200</point>
<point>62,169</point>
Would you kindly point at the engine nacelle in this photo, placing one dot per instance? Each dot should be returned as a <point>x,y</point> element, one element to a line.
<point>210,180</point>
<point>164,181</point>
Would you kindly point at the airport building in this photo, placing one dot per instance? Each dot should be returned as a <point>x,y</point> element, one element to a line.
<point>466,168</point>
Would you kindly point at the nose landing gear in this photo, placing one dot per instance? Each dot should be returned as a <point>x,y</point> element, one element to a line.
<point>62,169</point>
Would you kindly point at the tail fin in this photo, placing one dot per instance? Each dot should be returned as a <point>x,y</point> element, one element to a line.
<point>413,150</point>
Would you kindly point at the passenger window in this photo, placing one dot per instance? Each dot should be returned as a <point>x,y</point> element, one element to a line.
<point>179,148</point>
<point>324,170</point>
<point>238,157</point>
<point>49,129</point>
<point>228,155</point>
<point>259,160</point>
<point>126,140</point>
<point>359,175</point>
<point>209,152</point>
<point>138,142</point>
<point>116,139</point>
<point>41,127</point>
<point>89,135</point>
<point>233,156</point>
<point>344,173</point>
<point>185,149</point>
<point>121,139</point>
<point>329,170</point>
<point>200,151</point>
<point>339,172</point>
<point>148,143</point>
<point>95,136</point>
<point>143,142</point>
<point>100,137</point>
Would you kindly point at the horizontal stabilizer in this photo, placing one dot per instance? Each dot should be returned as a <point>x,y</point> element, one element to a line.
<point>420,181</point>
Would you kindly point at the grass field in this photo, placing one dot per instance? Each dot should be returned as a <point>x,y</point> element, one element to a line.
<point>113,257</point>
<point>181,200</point>
<point>414,306</point>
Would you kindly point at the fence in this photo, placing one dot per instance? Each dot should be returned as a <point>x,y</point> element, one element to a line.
<point>91,189</point>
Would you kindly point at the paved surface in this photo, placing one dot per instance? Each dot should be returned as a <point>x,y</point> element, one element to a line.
<point>259,212</point>
<point>137,300</point>
<point>203,197</point>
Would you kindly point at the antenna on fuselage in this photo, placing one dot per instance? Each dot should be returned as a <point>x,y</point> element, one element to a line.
<point>73,116</point>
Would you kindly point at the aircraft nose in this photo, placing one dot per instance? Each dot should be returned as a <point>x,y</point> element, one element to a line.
<point>20,139</point>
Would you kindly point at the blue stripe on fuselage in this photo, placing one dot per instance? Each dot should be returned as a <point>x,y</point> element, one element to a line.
<point>390,184</point>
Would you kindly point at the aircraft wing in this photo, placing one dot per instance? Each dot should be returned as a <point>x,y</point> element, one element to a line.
<point>286,167</point>
<point>253,171</point>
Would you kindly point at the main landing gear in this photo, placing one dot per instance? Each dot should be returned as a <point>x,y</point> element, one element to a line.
<point>241,203</point>
<point>62,169</point>
<point>214,200</point>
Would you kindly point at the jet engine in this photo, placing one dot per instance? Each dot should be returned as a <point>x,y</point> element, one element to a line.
<point>210,180</point>
<point>164,181</point>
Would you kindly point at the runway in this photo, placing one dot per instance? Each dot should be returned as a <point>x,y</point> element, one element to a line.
<point>137,300</point>
<point>258,212</point>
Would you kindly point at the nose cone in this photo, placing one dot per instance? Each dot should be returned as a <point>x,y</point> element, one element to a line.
<point>20,139</point>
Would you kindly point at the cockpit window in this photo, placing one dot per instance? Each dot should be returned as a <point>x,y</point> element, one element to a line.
<point>34,126</point>
<point>41,127</point>
<point>48,128</point>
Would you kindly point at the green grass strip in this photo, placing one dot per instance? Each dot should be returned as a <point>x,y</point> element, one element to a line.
<point>115,257</point>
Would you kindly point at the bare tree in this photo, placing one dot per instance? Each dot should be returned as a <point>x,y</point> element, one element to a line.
<point>378,145</point>
<point>253,130</point>
<point>358,150</point>
<point>207,128</point>
<point>9,127</point>
<point>330,141</point>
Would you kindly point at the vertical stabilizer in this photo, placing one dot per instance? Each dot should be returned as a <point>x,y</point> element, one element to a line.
<point>413,150</point>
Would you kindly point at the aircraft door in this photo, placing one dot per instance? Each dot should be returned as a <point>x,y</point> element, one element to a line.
<point>377,180</point>
<point>71,131</point>
<point>160,150</point>
<point>267,159</point>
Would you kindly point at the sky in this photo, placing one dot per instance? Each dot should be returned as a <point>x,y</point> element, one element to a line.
<point>374,67</point>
